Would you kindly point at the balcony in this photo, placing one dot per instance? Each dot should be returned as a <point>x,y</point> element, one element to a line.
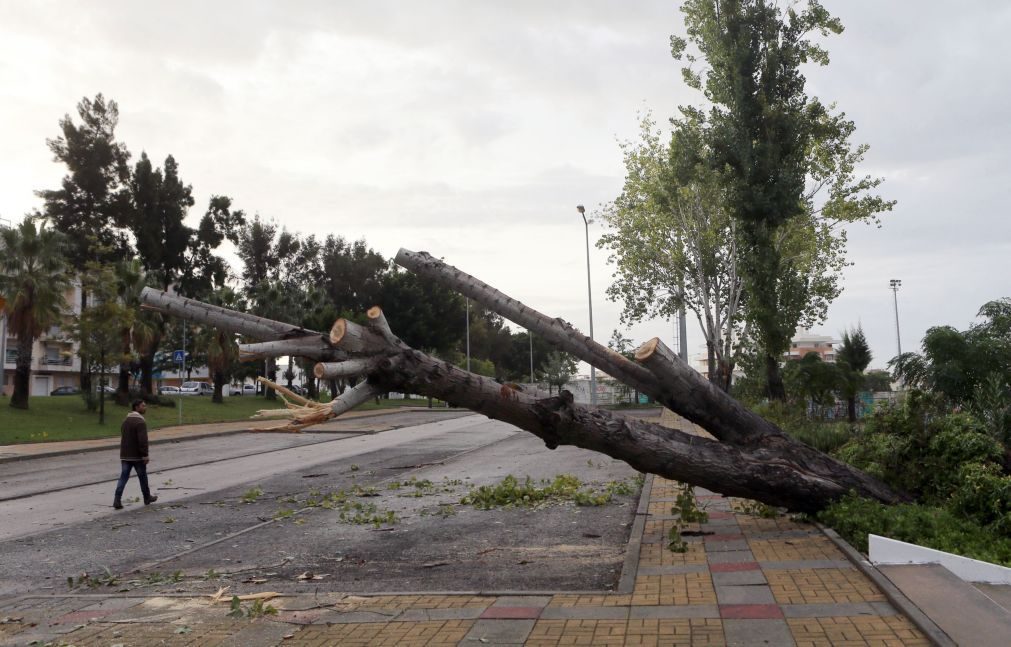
<point>55,334</point>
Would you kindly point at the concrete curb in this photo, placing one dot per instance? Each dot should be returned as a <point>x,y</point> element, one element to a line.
<point>933,633</point>
<point>630,569</point>
<point>113,442</point>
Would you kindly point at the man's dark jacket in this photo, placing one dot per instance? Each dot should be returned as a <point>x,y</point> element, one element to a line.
<point>133,438</point>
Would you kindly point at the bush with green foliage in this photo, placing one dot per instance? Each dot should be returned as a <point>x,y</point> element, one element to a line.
<point>920,448</point>
<point>792,418</point>
<point>950,462</point>
<point>931,526</point>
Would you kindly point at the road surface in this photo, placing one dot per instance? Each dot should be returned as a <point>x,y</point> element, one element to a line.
<point>361,506</point>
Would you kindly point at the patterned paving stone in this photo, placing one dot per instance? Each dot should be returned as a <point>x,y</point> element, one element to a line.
<point>689,611</point>
<point>689,588</point>
<point>648,631</point>
<point>816,547</point>
<point>829,632</point>
<point>393,634</point>
<point>672,570</point>
<point>659,555</point>
<point>826,585</point>
<point>570,600</point>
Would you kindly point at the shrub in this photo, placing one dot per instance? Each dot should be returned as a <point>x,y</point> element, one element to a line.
<point>984,495</point>
<point>919,448</point>
<point>793,419</point>
<point>934,527</point>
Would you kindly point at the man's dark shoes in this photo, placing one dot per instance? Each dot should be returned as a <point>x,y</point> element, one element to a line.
<point>151,499</point>
<point>117,504</point>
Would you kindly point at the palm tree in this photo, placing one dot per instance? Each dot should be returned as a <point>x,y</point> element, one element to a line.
<point>854,356</point>
<point>222,349</point>
<point>33,279</point>
<point>139,338</point>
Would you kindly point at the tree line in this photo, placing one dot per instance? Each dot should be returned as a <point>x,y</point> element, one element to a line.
<point>114,227</point>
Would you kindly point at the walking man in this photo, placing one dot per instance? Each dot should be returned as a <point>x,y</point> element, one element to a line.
<point>133,453</point>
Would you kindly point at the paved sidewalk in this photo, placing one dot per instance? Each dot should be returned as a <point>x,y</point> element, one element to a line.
<point>744,580</point>
<point>171,434</point>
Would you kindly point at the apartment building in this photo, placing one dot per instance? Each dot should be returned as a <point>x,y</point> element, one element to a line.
<point>54,355</point>
<point>806,343</point>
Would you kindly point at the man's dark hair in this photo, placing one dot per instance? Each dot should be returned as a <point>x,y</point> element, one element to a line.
<point>136,403</point>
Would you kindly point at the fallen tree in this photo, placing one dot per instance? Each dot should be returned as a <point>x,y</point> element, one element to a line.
<point>749,457</point>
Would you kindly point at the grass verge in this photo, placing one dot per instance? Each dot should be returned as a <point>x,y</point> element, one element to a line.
<point>51,419</point>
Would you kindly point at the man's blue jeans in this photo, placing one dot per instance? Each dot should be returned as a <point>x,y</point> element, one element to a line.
<point>141,469</point>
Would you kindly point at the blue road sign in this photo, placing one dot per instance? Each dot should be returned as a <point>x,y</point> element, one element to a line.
<point>178,356</point>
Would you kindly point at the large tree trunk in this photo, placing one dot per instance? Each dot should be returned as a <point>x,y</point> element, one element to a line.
<point>22,372</point>
<point>147,372</point>
<point>123,385</point>
<point>219,385</point>
<point>751,457</point>
<point>774,386</point>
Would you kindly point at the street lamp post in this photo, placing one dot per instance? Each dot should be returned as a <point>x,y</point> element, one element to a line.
<point>467,326</point>
<point>589,296</point>
<point>894,284</point>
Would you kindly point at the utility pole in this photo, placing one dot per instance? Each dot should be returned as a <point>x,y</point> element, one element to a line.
<point>589,297</point>
<point>895,284</point>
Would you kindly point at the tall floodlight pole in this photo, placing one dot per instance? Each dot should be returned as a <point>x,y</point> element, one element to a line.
<point>894,284</point>
<point>468,334</point>
<point>589,297</point>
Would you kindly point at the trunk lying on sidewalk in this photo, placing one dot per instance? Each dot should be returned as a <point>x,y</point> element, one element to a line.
<point>750,456</point>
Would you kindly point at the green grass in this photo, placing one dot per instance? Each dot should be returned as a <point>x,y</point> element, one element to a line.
<point>50,419</point>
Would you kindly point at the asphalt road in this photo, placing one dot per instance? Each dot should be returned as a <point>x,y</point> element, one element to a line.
<point>243,511</point>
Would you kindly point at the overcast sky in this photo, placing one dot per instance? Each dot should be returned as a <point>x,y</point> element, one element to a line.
<point>471,130</point>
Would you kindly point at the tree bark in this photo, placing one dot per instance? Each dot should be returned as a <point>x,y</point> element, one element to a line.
<point>22,372</point>
<point>314,346</point>
<point>692,396</point>
<point>755,460</point>
<point>123,385</point>
<point>774,386</point>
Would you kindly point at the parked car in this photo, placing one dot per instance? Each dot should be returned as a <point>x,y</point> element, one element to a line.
<point>196,388</point>
<point>248,389</point>
<point>65,390</point>
<point>106,388</point>
<point>168,390</point>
